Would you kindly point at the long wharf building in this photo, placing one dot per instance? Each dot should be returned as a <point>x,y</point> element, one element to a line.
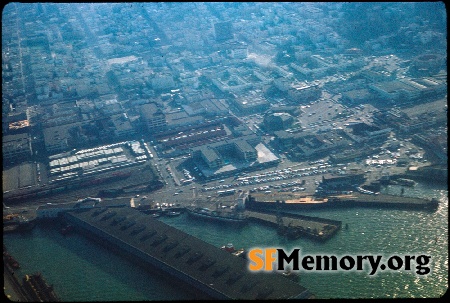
<point>194,263</point>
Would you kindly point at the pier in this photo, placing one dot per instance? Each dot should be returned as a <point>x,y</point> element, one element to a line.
<point>353,199</point>
<point>33,288</point>
<point>295,226</point>
<point>194,264</point>
<point>382,200</point>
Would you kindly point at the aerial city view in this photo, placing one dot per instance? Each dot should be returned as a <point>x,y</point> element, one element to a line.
<point>180,151</point>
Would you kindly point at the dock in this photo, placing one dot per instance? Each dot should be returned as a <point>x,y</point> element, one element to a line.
<point>38,290</point>
<point>354,199</point>
<point>383,200</point>
<point>206,270</point>
<point>295,226</point>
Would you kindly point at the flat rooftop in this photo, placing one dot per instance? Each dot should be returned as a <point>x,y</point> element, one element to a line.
<point>209,266</point>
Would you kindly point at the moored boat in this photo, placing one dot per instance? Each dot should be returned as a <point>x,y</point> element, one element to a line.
<point>8,259</point>
<point>172,213</point>
<point>156,215</point>
<point>406,182</point>
<point>237,252</point>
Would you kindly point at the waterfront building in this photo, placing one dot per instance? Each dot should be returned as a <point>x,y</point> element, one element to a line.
<point>187,260</point>
<point>342,182</point>
<point>53,211</point>
<point>239,149</point>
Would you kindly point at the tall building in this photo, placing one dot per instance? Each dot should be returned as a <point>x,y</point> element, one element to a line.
<point>238,50</point>
<point>153,117</point>
<point>223,31</point>
<point>210,156</point>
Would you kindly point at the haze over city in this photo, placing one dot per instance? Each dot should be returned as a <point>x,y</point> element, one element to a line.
<point>176,131</point>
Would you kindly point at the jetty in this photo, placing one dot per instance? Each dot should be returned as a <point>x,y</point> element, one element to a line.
<point>353,199</point>
<point>294,226</point>
<point>38,289</point>
<point>383,200</point>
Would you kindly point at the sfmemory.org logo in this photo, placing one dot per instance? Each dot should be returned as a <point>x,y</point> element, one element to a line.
<point>270,259</point>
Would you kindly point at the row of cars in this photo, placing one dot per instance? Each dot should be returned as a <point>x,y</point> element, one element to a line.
<point>277,175</point>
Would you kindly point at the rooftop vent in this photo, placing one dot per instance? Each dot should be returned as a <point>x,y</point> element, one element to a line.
<point>148,235</point>
<point>117,220</point>
<point>137,230</point>
<point>220,271</point>
<point>207,263</point>
<point>109,215</point>
<point>159,239</point>
<point>98,212</point>
<point>182,251</point>
<point>127,225</point>
<point>234,278</point>
<point>194,257</point>
<point>170,246</point>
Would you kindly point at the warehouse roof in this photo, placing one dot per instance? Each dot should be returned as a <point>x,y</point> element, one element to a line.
<point>211,267</point>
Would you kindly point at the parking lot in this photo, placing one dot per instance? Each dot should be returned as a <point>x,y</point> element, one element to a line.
<point>19,176</point>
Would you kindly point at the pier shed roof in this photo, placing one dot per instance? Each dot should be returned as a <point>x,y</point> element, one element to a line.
<point>206,266</point>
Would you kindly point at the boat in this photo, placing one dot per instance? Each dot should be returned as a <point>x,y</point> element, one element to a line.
<point>172,213</point>
<point>237,252</point>
<point>13,262</point>
<point>16,222</point>
<point>156,215</point>
<point>216,215</point>
<point>406,182</point>
<point>9,259</point>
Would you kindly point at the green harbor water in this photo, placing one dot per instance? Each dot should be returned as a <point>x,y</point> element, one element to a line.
<point>81,270</point>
